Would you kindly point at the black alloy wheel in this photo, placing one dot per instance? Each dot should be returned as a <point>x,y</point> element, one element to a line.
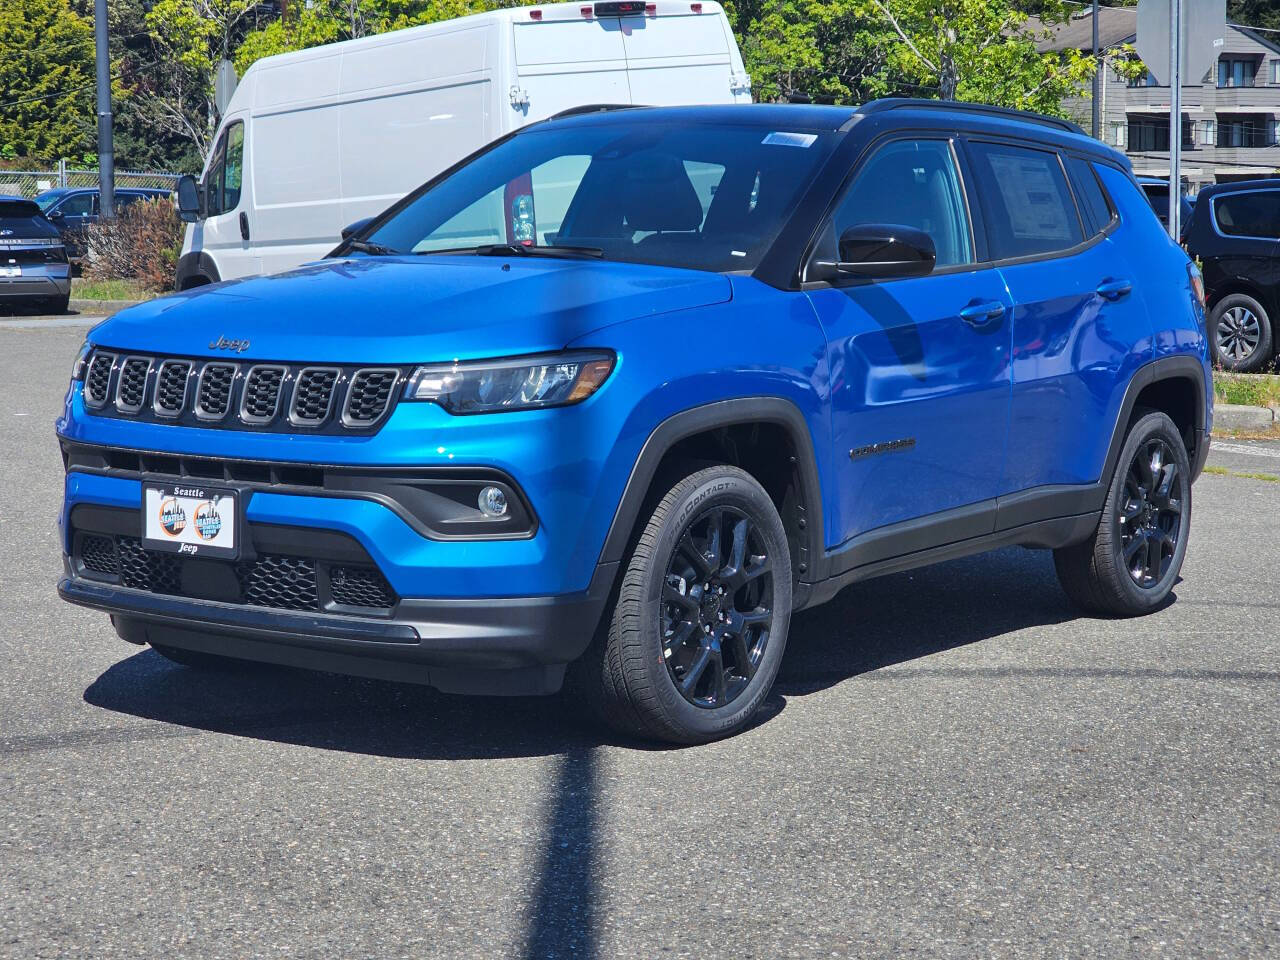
<point>1150,513</point>
<point>717,604</point>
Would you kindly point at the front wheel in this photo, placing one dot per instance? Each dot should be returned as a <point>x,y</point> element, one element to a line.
<point>1130,564</point>
<point>694,640</point>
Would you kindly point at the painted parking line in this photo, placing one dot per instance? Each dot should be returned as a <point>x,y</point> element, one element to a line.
<point>1248,451</point>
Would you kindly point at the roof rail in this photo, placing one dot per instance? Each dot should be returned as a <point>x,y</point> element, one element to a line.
<point>899,103</point>
<point>591,108</point>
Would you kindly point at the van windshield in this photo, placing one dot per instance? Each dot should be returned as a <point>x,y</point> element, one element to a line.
<point>708,197</point>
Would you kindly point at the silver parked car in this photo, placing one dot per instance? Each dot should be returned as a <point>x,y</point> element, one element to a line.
<point>33,260</point>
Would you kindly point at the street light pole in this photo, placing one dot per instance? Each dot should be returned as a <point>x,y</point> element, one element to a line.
<point>1175,118</point>
<point>106,150</point>
<point>1097,77</point>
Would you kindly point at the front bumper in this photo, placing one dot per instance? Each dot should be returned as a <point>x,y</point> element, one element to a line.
<point>507,646</point>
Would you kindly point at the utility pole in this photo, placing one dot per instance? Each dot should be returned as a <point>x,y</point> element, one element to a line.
<point>1175,118</point>
<point>1097,78</point>
<point>106,150</point>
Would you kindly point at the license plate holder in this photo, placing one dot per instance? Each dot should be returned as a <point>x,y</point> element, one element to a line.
<point>191,519</point>
<point>10,271</point>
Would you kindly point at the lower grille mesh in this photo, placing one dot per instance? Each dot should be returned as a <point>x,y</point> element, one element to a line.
<point>272,580</point>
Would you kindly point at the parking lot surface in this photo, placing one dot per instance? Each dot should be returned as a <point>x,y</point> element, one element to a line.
<point>953,763</point>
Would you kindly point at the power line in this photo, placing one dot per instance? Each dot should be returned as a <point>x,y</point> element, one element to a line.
<point>88,86</point>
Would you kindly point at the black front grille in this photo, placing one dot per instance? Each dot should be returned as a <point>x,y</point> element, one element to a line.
<point>261,398</point>
<point>274,580</point>
<point>131,389</point>
<point>97,381</point>
<point>369,395</point>
<point>271,397</point>
<point>313,395</point>
<point>99,554</point>
<point>286,583</point>
<point>171,387</point>
<point>360,587</point>
<point>213,399</point>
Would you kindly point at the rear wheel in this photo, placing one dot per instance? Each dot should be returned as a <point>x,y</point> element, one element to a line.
<point>696,635</point>
<point>58,305</point>
<point>1130,564</point>
<point>1242,335</point>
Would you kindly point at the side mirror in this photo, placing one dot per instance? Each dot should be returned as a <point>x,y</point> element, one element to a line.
<point>188,199</point>
<point>55,215</point>
<point>886,250</point>
<point>351,229</point>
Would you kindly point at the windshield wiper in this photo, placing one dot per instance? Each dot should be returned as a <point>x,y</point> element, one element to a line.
<point>368,246</point>
<point>520,250</point>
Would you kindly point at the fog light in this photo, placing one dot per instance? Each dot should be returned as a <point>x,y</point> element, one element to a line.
<point>493,502</point>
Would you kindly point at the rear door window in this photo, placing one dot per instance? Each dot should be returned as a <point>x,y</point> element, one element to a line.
<point>1028,204</point>
<point>1255,213</point>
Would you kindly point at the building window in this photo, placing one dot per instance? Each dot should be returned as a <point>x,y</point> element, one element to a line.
<point>1275,72</point>
<point>1146,80</point>
<point>1151,133</point>
<point>1237,72</point>
<point>1117,133</point>
<point>1246,131</point>
<point>1209,137</point>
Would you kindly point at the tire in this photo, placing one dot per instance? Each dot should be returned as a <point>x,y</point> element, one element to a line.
<point>664,624</point>
<point>1241,333</point>
<point>1115,573</point>
<point>58,305</point>
<point>200,661</point>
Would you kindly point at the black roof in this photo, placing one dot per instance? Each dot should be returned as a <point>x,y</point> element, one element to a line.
<point>1258,183</point>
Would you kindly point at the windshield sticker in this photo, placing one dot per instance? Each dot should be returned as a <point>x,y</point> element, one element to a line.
<point>790,139</point>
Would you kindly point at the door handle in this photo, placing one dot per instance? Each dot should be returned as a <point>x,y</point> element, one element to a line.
<point>982,315</point>
<point>1114,289</point>
<point>244,226</point>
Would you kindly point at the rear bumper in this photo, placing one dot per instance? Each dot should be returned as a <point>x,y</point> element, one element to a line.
<point>501,646</point>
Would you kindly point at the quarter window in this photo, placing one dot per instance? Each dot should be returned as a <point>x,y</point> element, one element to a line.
<point>1252,214</point>
<point>1093,201</point>
<point>913,183</point>
<point>1028,205</point>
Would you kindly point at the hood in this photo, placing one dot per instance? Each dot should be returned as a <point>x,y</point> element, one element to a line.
<point>407,310</point>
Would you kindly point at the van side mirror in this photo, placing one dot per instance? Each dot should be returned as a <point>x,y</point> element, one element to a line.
<point>188,199</point>
<point>886,250</point>
<point>351,229</point>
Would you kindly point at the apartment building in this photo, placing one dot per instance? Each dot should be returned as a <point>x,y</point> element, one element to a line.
<point>1230,116</point>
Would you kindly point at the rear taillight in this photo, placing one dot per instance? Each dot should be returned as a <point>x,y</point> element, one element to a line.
<point>1197,285</point>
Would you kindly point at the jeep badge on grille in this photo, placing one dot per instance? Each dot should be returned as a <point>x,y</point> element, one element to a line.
<point>222,343</point>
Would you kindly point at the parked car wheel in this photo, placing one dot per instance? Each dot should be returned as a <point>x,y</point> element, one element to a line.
<point>1242,335</point>
<point>1130,564</point>
<point>697,632</point>
<point>58,304</point>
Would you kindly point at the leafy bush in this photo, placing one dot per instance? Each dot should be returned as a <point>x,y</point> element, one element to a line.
<point>143,243</point>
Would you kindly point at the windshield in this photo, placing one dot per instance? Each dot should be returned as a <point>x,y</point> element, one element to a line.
<point>709,197</point>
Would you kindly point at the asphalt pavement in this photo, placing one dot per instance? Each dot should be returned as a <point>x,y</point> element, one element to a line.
<point>953,763</point>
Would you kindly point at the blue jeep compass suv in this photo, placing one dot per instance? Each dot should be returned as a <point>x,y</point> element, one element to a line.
<point>610,399</point>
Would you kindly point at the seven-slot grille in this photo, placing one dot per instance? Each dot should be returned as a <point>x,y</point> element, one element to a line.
<point>217,393</point>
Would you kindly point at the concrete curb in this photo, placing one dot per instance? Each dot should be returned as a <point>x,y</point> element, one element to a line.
<point>101,307</point>
<point>1234,416</point>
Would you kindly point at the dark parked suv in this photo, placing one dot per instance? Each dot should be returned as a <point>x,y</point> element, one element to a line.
<point>1236,234</point>
<point>33,260</point>
<point>610,399</point>
<point>72,209</point>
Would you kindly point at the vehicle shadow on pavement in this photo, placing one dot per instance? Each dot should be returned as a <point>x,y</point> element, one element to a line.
<point>906,616</point>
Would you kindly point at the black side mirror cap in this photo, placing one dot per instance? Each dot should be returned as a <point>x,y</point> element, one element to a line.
<point>188,192</point>
<point>351,229</point>
<point>882,250</point>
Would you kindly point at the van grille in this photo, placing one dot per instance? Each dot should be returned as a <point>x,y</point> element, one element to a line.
<point>272,397</point>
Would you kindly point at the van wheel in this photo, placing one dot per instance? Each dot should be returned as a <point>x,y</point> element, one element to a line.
<point>694,640</point>
<point>1130,564</point>
<point>1241,332</point>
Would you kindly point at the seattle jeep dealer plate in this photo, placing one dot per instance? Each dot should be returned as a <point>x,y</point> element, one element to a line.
<point>190,518</point>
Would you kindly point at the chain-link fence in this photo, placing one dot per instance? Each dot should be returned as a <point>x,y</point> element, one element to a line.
<point>27,183</point>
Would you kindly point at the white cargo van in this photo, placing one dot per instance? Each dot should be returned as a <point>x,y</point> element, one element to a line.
<point>314,140</point>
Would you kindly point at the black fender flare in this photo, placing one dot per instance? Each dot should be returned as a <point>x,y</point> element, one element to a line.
<point>722,413</point>
<point>1179,367</point>
<point>197,263</point>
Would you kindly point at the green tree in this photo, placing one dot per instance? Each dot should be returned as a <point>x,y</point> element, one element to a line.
<point>46,80</point>
<point>1254,13</point>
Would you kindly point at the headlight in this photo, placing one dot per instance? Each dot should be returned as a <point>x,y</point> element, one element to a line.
<point>82,361</point>
<point>522,383</point>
